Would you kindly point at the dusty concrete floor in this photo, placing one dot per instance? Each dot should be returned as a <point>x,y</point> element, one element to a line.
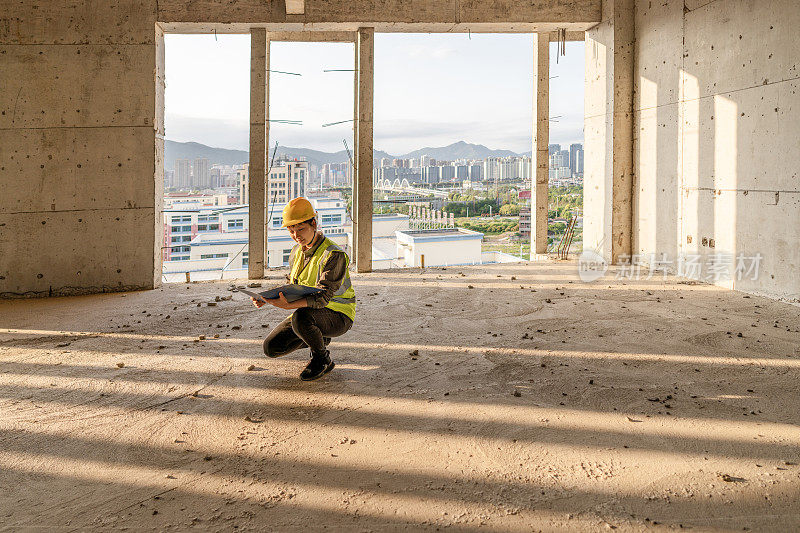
<point>536,402</point>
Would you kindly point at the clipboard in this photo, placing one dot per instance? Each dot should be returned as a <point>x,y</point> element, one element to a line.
<point>292,292</point>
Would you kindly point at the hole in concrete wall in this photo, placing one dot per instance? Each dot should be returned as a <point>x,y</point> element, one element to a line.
<point>207,99</point>
<point>311,84</point>
<point>453,135</point>
<point>206,212</point>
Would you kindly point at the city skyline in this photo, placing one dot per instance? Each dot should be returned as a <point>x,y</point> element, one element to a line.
<point>564,166</point>
<point>299,151</point>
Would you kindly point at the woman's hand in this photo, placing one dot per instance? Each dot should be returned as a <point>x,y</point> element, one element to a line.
<point>281,302</point>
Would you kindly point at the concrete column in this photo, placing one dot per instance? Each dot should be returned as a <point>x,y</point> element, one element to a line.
<point>158,170</point>
<point>259,64</point>
<point>622,194</point>
<point>362,179</point>
<point>541,140</point>
<point>608,127</point>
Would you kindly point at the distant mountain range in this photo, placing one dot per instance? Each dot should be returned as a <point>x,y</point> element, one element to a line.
<point>459,150</point>
<point>221,156</point>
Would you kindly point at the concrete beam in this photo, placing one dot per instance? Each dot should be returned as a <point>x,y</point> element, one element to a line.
<point>259,64</point>
<point>313,36</point>
<point>362,181</point>
<point>574,30</point>
<point>390,15</point>
<point>541,139</point>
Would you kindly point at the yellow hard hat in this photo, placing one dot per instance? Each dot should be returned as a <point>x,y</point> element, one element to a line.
<point>297,210</point>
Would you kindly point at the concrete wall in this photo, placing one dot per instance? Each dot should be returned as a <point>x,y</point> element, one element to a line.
<point>80,164</point>
<point>81,118</point>
<point>717,122</point>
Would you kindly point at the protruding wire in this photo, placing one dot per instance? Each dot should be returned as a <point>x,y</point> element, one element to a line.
<point>272,161</point>
<point>334,123</point>
<point>282,72</point>
<point>349,154</point>
<point>352,172</point>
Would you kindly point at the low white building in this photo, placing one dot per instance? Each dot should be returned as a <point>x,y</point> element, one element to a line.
<point>205,239</point>
<point>178,200</point>
<point>439,247</point>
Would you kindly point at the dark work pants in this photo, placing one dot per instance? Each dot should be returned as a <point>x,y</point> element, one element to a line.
<point>306,327</point>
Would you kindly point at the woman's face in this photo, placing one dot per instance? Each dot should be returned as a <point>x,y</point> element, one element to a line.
<point>302,233</point>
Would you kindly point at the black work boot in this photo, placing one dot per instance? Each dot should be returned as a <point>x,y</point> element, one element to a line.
<point>317,367</point>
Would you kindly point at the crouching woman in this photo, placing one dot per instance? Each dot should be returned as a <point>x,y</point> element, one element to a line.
<point>315,261</point>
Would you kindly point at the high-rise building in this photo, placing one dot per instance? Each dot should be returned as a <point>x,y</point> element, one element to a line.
<point>576,158</point>
<point>447,172</point>
<point>431,174</point>
<point>425,160</point>
<point>524,168</point>
<point>216,177</point>
<point>559,159</point>
<point>552,148</point>
<point>244,184</point>
<point>182,178</point>
<point>559,173</point>
<point>491,168</point>
<point>340,174</point>
<point>475,171</point>
<point>201,175</point>
<point>286,180</point>
<point>461,172</point>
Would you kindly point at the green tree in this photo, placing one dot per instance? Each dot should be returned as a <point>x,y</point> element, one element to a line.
<point>509,210</point>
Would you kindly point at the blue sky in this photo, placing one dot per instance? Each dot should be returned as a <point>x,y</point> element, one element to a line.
<point>430,90</point>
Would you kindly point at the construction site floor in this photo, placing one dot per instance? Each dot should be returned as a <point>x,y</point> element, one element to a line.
<point>491,398</point>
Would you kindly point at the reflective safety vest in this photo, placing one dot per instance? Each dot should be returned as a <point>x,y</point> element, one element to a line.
<point>344,299</point>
